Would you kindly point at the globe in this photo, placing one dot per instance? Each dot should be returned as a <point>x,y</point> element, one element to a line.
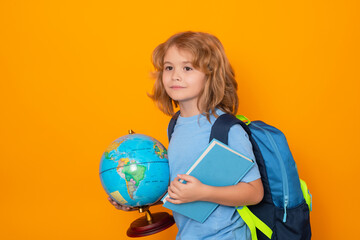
<point>134,170</point>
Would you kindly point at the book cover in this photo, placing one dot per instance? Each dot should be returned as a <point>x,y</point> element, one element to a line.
<point>218,165</point>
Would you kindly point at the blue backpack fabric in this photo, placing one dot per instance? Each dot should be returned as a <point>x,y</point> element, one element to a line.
<point>285,208</point>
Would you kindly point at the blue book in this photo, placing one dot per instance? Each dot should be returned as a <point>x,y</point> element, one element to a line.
<point>218,165</point>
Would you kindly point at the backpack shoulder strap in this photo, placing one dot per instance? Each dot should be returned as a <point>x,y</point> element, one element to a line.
<point>172,124</point>
<point>220,131</point>
<point>222,125</point>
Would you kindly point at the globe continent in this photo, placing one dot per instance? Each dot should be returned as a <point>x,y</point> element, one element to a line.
<point>134,170</point>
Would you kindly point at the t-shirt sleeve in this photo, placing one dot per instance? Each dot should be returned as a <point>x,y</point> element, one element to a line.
<point>239,141</point>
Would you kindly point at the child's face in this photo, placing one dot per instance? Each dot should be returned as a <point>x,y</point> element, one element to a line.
<point>183,83</point>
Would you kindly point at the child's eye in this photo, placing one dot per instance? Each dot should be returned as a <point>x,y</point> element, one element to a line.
<point>187,68</point>
<point>168,68</point>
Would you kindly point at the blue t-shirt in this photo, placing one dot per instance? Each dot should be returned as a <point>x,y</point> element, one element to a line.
<point>188,141</point>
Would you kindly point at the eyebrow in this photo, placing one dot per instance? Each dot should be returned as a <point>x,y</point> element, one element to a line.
<point>182,62</point>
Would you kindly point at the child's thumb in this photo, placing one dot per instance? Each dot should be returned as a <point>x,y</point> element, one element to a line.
<point>185,177</point>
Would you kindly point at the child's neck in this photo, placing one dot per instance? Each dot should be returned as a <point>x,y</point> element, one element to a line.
<point>189,112</point>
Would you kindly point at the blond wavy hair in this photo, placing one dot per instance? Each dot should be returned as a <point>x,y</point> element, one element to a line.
<point>210,58</point>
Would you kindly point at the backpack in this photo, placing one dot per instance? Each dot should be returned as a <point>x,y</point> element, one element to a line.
<point>284,212</point>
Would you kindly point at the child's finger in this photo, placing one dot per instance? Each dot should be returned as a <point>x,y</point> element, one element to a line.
<point>171,193</point>
<point>174,201</point>
<point>111,200</point>
<point>114,203</point>
<point>186,177</point>
<point>125,208</point>
<point>175,185</point>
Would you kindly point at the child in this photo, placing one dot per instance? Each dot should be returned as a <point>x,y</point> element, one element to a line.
<point>194,74</point>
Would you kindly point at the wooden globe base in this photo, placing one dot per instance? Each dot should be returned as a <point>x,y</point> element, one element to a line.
<point>150,224</point>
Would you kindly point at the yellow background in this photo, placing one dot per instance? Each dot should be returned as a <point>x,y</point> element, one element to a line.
<point>74,77</point>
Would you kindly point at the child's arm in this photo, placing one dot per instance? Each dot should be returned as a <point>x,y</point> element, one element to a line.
<point>238,195</point>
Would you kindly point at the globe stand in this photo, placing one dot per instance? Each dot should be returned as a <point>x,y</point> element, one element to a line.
<point>150,223</point>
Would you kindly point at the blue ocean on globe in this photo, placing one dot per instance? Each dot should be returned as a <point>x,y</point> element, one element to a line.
<point>134,170</point>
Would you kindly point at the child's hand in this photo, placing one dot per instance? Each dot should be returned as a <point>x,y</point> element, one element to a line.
<point>121,207</point>
<point>192,190</point>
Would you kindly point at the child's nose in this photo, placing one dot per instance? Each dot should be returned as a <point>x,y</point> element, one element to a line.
<point>176,75</point>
